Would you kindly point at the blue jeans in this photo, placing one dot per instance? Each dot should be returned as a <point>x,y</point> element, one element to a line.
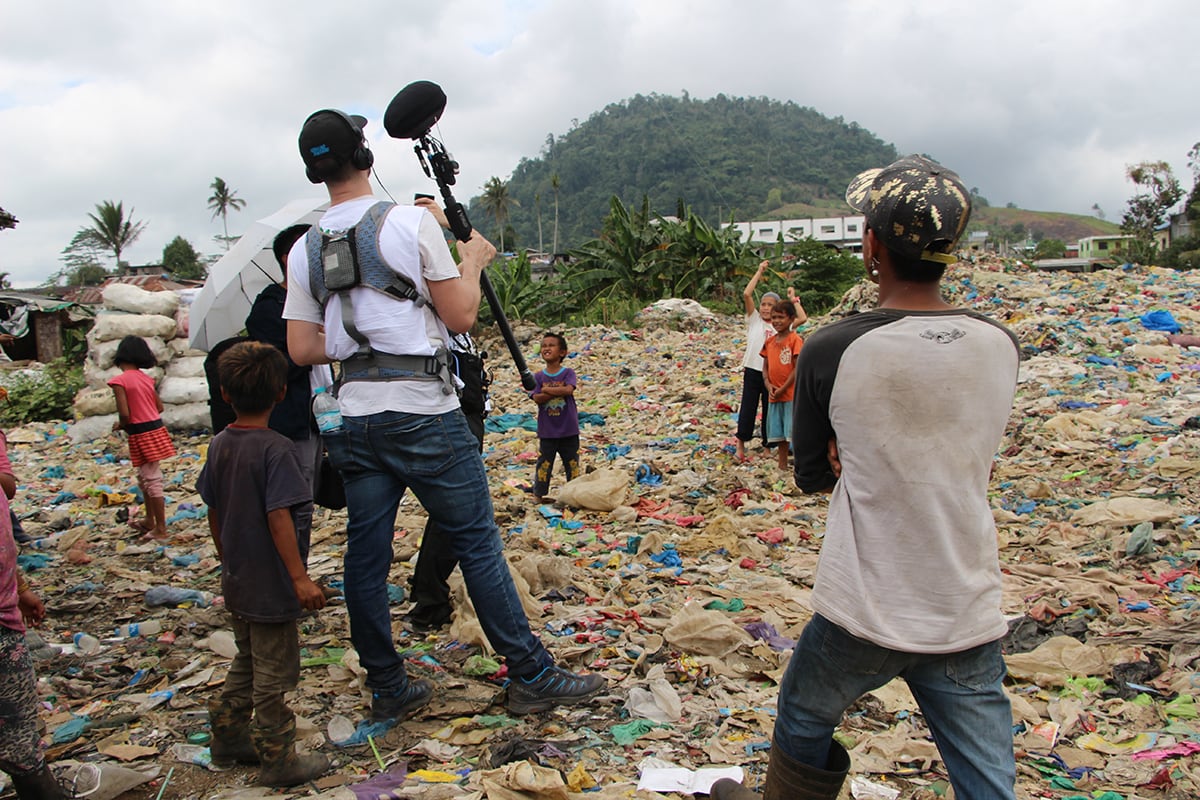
<point>381,455</point>
<point>960,695</point>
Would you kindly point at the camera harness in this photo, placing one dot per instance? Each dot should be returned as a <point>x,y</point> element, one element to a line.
<point>339,262</point>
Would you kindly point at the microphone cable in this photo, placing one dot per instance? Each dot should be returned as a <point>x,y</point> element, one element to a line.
<point>375,172</point>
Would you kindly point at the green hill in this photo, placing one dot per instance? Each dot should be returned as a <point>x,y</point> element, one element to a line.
<point>1040,224</point>
<point>725,156</point>
<point>745,158</point>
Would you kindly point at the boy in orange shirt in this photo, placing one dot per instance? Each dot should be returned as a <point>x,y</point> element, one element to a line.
<point>779,365</point>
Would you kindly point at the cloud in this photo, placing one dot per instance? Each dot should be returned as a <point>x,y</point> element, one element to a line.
<point>1041,104</point>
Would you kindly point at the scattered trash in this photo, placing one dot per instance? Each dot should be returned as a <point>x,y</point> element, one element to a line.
<point>679,573</point>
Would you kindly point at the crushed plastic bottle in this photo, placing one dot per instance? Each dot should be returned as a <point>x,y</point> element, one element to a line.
<point>193,754</point>
<point>154,700</point>
<point>175,596</point>
<point>134,629</point>
<point>222,643</point>
<point>86,644</point>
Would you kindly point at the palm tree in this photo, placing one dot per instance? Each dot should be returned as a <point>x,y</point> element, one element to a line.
<point>554,184</point>
<point>498,202</point>
<point>537,204</point>
<point>112,230</point>
<point>222,201</point>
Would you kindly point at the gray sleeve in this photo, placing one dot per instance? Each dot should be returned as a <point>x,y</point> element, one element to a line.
<point>816,374</point>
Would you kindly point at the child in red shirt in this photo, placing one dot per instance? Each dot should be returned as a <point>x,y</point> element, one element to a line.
<point>138,410</point>
<point>779,366</point>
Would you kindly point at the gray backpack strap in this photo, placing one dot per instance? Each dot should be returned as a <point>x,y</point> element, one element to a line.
<point>316,272</point>
<point>374,270</point>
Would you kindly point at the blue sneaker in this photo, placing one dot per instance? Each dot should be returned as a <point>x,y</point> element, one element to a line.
<point>399,706</point>
<point>553,686</point>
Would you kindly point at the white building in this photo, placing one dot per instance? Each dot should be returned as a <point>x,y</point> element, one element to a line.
<point>845,233</point>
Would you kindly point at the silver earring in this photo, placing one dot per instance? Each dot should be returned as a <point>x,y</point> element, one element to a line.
<point>874,267</point>
<point>874,273</point>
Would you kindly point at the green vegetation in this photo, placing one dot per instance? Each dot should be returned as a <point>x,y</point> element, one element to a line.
<point>81,260</point>
<point>222,201</point>
<point>1150,207</point>
<point>728,156</point>
<point>1185,253</point>
<point>111,230</point>
<point>42,397</point>
<point>497,202</point>
<point>641,257</point>
<point>1017,224</point>
<point>181,260</point>
<point>1050,248</point>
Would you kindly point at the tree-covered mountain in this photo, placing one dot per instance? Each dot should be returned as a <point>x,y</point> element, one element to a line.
<point>723,157</point>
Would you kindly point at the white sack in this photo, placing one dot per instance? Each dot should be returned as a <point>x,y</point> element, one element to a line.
<point>186,367</point>
<point>187,417</point>
<point>95,402</point>
<point>115,325</point>
<point>101,353</point>
<point>180,347</point>
<point>97,378</point>
<point>180,391</point>
<point>136,300</point>
<point>91,429</point>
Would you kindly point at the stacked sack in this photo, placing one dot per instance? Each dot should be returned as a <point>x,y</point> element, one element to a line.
<point>179,376</point>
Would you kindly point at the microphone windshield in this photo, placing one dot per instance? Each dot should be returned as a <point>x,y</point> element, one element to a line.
<point>414,110</point>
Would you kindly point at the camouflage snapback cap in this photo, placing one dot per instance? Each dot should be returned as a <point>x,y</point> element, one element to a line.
<point>916,206</point>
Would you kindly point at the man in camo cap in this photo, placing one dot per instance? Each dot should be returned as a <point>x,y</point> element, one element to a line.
<point>898,413</point>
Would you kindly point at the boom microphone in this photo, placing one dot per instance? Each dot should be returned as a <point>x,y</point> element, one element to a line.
<point>411,115</point>
<point>414,110</point>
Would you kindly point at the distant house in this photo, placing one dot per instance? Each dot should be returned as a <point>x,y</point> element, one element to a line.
<point>1175,229</point>
<point>1162,236</point>
<point>38,321</point>
<point>844,233</point>
<point>146,270</point>
<point>1104,247</point>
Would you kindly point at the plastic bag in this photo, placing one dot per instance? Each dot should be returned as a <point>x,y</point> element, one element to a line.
<point>602,490</point>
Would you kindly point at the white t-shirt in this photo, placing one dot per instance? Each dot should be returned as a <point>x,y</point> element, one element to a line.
<point>756,336</point>
<point>412,244</point>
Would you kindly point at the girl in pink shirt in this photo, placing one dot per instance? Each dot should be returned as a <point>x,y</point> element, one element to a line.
<point>138,412</point>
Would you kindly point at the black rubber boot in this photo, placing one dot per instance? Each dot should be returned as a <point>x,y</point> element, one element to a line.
<point>38,785</point>
<point>788,779</point>
<point>231,743</point>
<point>280,765</point>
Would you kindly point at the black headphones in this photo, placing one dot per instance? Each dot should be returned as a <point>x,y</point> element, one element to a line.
<point>361,159</point>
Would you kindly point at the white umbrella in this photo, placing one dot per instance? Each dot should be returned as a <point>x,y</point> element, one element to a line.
<point>221,306</point>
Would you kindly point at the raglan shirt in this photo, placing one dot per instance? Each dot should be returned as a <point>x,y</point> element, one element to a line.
<point>918,403</point>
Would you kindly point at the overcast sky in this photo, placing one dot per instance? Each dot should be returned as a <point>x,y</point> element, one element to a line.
<point>1039,103</point>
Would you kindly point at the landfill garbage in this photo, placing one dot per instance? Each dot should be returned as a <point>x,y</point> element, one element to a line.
<point>688,593</point>
<point>176,596</point>
<point>135,629</point>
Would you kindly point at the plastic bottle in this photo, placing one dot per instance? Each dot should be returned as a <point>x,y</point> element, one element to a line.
<point>147,628</point>
<point>223,644</point>
<point>46,542</point>
<point>174,596</point>
<point>86,644</point>
<point>326,411</point>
